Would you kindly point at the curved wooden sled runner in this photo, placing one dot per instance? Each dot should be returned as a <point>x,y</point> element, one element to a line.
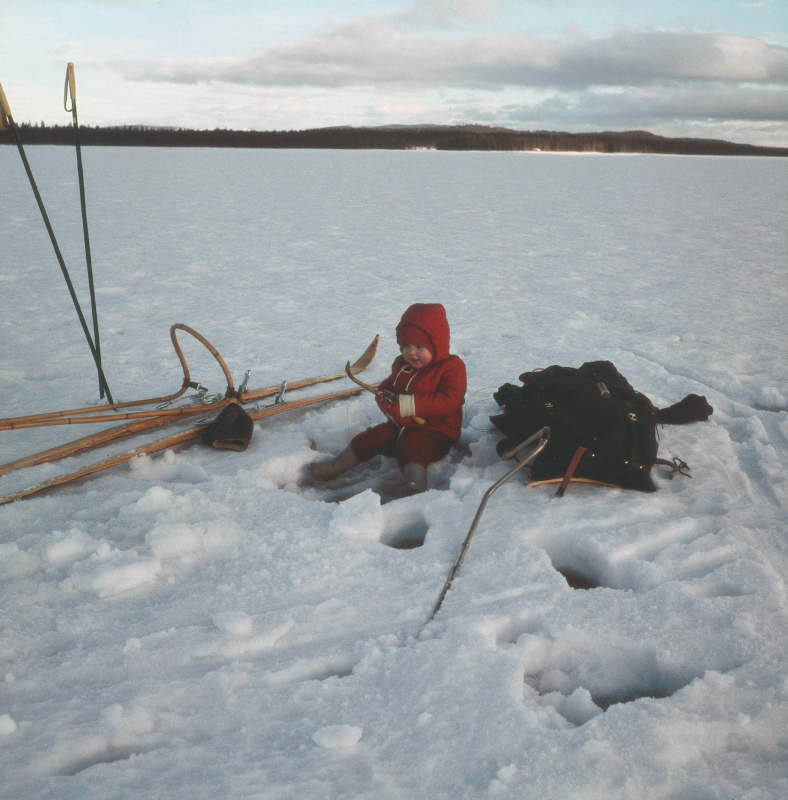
<point>167,442</point>
<point>145,421</point>
<point>160,419</point>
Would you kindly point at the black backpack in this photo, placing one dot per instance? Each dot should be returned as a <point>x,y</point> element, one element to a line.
<point>601,429</point>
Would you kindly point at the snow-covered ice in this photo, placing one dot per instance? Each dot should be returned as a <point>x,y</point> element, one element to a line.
<point>204,623</point>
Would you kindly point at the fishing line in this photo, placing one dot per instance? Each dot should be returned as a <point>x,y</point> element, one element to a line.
<point>469,407</point>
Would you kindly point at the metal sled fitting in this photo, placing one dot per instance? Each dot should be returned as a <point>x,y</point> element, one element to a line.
<point>279,400</point>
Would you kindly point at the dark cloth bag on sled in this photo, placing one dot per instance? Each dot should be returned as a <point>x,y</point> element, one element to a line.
<point>231,430</point>
<point>598,424</point>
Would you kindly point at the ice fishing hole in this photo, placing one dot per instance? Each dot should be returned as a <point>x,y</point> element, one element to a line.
<point>405,530</point>
<point>604,701</point>
<point>577,580</point>
<point>580,705</point>
<point>579,701</point>
<point>576,571</point>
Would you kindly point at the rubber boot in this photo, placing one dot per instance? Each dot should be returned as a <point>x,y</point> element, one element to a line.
<point>327,470</point>
<point>415,480</point>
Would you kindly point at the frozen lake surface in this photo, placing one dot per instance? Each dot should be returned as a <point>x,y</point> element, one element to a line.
<point>206,624</point>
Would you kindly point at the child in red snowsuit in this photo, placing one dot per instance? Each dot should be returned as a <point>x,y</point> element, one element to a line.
<point>422,399</point>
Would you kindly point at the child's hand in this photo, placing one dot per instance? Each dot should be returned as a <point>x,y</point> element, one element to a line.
<point>389,405</point>
<point>391,410</point>
<point>387,396</point>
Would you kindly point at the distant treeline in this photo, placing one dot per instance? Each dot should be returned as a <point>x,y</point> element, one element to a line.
<point>462,137</point>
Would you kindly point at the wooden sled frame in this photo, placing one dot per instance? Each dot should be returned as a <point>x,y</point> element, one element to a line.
<point>160,419</point>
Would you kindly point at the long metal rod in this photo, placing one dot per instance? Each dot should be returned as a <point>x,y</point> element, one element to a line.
<point>543,436</point>
<point>70,87</point>
<point>12,125</point>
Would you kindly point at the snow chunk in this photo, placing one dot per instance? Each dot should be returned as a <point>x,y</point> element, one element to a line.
<point>155,499</point>
<point>254,644</point>
<point>173,541</point>
<point>579,708</point>
<point>108,573</point>
<point>65,548</point>
<point>169,541</point>
<point>498,785</point>
<point>464,480</point>
<point>576,708</point>
<point>285,456</point>
<point>360,517</point>
<point>771,398</point>
<point>16,563</point>
<point>126,727</point>
<point>239,626</point>
<point>336,736</point>
<point>236,623</point>
<point>7,725</point>
<point>170,466</point>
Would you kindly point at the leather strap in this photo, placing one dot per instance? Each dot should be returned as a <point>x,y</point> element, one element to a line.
<point>570,471</point>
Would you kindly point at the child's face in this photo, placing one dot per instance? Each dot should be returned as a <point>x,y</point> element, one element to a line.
<point>416,355</point>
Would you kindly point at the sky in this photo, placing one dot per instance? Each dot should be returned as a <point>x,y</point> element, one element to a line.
<point>700,68</point>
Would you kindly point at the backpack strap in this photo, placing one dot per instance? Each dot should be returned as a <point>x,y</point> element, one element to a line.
<point>679,466</point>
<point>632,417</point>
<point>570,471</point>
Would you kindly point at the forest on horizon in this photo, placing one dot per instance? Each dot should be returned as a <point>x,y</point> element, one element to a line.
<point>454,137</point>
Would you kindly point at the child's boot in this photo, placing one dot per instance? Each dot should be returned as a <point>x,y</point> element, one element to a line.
<point>327,470</point>
<point>415,479</point>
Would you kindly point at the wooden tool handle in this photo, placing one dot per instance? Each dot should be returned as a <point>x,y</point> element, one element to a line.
<point>5,109</point>
<point>72,81</point>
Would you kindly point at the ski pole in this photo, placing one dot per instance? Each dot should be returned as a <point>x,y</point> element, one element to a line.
<point>6,113</point>
<point>70,87</point>
<point>543,436</point>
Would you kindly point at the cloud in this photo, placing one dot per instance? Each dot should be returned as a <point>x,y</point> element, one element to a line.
<point>446,14</point>
<point>428,63</point>
<point>652,107</point>
<point>371,51</point>
<point>638,59</point>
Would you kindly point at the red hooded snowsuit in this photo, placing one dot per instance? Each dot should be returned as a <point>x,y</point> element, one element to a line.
<point>435,393</point>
